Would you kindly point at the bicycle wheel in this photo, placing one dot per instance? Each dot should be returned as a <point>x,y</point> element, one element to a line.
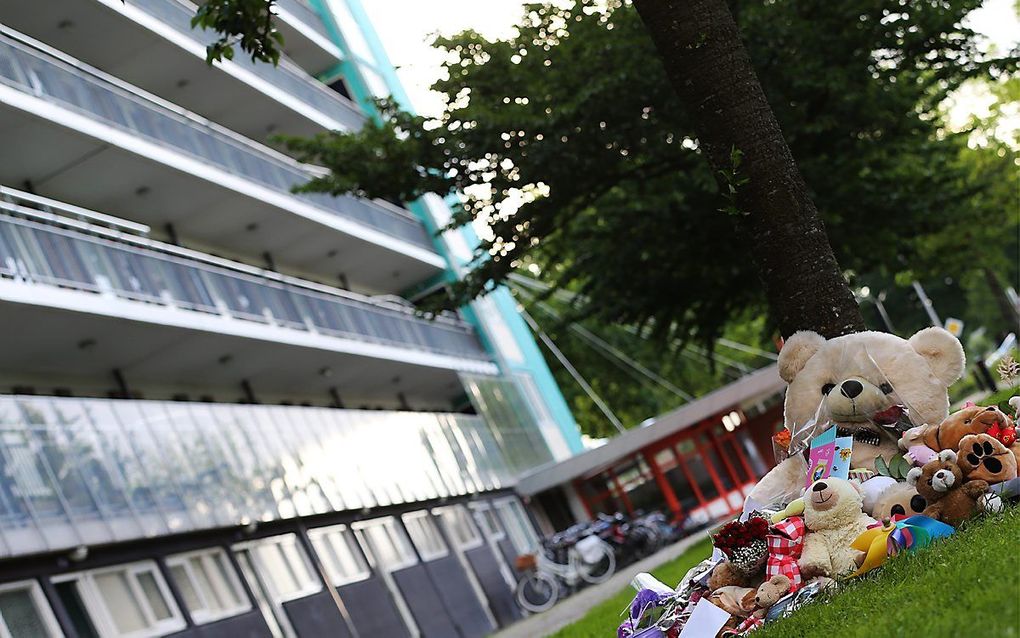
<point>598,571</point>
<point>537,592</point>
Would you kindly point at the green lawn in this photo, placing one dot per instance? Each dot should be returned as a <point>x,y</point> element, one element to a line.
<point>966,585</point>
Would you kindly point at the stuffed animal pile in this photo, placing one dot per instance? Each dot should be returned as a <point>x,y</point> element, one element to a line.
<point>916,473</point>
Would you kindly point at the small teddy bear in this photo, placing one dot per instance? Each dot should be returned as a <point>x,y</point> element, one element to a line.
<point>834,518</point>
<point>940,482</point>
<point>759,602</point>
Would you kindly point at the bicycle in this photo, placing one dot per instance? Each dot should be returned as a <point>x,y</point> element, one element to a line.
<point>588,560</point>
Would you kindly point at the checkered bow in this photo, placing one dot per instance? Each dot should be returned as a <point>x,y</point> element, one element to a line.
<point>785,541</point>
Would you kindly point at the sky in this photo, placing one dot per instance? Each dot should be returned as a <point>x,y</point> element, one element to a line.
<point>406,25</point>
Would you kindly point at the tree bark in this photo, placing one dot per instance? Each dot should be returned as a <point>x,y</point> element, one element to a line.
<point>711,71</point>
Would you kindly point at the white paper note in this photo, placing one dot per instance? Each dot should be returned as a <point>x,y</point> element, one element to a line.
<point>705,622</point>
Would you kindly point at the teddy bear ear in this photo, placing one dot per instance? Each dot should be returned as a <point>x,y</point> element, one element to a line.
<point>796,351</point>
<point>947,456</point>
<point>914,475</point>
<point>942,351</point>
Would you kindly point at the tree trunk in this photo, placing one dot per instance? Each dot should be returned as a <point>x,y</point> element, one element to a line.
<point>712,73</point>
<point>1006,309</point>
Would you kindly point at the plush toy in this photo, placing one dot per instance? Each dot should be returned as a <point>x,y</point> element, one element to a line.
<point>848,379</point>
<point>899,499</point>
<point>725,574</point>
<point>922,443</point>
<point>731,600</point>
<point>767,594</point>
<point>833,516</point>
<point>940,482</point>
<point>984,457</point>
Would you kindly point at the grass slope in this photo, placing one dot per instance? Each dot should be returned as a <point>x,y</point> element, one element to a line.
<point>966,585</point>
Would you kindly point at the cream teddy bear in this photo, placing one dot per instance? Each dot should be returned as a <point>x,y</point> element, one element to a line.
<point>834,518</point>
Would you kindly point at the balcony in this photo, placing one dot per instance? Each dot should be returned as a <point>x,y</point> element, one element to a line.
<point>135,155</point>
<point>306,39</point>
<point>95,471</point>
<point>135,296</point>
<point>150,43</point>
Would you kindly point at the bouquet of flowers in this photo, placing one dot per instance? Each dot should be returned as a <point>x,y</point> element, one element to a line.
<point>744,543</point>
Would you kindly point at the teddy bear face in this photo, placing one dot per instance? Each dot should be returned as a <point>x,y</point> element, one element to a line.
<point>972,420</point>
<point>937,477</point>
<point>830,503</point>
<point>847,379</point>
<point>984,457</point>
<point>771,591</point>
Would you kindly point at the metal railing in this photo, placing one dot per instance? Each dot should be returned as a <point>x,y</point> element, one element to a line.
<point>109,262</point>
<point>80,471</point>
<point>286,76</point>
<point>40,71</point>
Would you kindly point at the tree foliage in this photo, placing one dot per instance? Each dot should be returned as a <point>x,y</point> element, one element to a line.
<point>570,147</point>
<point>247,24</point>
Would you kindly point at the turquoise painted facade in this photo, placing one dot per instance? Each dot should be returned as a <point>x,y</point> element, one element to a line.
<point>497,316</point>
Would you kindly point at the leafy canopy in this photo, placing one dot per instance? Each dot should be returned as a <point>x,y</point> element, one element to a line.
<point>247,24</point>
<point>573,153</point>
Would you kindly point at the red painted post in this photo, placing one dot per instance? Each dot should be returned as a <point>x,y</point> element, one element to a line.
<point>723,492</point>
<point>735,442</point>
<point>725,459</point>
<point>672,502</point>
<point>690,477</point>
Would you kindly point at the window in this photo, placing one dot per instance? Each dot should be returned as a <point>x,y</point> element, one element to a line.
<point>129,601</point>
<point>425,535</point>
<point>386,543</point>
<point>209,585</point>
<point>487,521</point>
<point>459,528</point>
<point>285,567</point>
<point>517,525</point>
<point>24,612</point>
<point>339,554</point>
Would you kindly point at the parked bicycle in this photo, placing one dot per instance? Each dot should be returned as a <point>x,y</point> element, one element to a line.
<point>562,564</point>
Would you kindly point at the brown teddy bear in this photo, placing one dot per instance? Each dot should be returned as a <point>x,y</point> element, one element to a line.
<point>940,482</point>
<point>984,457</point>
<point>725,575</point>
<point>947,435</point>
<point>759,602</point>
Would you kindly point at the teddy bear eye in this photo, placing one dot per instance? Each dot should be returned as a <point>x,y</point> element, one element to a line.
<point>885,388</point>
<point>929,481</point>
<point>827,388</point>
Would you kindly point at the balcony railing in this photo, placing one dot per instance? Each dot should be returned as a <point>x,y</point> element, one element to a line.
<point>301,11</point>
<point>108,262</point>
<point>93,471</point>
<point>287,76</point>
<point>39,71</point>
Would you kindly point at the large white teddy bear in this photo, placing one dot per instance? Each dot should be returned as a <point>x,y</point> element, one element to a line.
<point>846,380</point>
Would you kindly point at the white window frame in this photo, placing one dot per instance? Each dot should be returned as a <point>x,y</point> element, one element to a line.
<point>208,558</point>
<point>511,513</point>
<point>348,538</point>
<point>426,554</point>
<point>312,586</point>
<point>479,509</point>
<point>397,535</point>
<point>464,515</point>
<point>42,607</point>
<point>99,613</point>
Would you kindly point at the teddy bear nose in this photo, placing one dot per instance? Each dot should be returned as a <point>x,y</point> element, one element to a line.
<point>851,388</point>
<point>819,486</point>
